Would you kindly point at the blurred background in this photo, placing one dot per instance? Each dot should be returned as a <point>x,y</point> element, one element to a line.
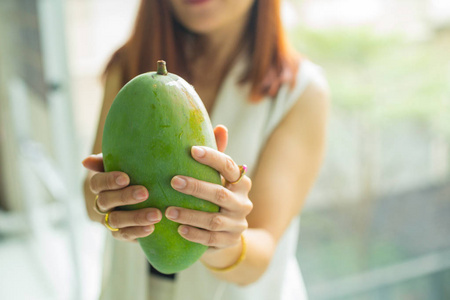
<point>375,226</point>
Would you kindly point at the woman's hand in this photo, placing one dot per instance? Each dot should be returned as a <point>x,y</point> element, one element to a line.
<point>113,191</point>
<point>224,228</point>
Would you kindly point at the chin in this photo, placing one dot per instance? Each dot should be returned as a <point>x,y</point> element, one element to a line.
<point>203,27</point>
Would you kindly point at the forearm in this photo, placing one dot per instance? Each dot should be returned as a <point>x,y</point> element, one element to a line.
<point>260,248</point>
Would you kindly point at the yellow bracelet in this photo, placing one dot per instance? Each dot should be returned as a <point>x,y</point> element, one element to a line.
<point>236,263</point>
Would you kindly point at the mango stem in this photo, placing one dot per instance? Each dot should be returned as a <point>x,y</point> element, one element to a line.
<point>161,69</point>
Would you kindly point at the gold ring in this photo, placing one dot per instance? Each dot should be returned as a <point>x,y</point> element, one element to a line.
<point>243,170</point>
<point>107,223</point>
<point>96,208</point>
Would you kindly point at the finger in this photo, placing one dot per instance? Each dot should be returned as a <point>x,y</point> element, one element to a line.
<point>205,220</point>
<point>94,163</point>
<point>108,181</point>
<point>221,134</point>
<point>215,239</point>
<point>217,160</point>
<point>131,233</point>
<point>141,217</point>
<point>211,192</point>
<point>244,185</point>
<point>110,199</point>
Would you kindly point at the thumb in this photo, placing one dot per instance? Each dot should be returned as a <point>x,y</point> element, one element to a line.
<point>94,163</point>
<point>221,134</point>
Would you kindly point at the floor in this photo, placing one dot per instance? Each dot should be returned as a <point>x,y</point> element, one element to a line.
<point>42,267</point>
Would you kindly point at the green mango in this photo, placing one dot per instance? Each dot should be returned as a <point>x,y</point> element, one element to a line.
<point>150,128</point>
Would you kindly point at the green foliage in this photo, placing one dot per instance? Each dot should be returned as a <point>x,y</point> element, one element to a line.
<point>384,76</point>
<point>355,46</point>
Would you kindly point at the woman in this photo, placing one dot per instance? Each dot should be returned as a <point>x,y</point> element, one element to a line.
<point>273,103</point>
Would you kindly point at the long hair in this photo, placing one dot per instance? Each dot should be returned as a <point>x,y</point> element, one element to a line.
<point>158,35</point>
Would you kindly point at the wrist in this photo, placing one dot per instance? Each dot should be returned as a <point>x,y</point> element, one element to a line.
<point>223,260</point>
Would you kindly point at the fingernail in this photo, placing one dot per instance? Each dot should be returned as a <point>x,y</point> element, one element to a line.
<point>153,216</point>
<point>198,151</point>
<point>84,161</point>
<point>178,182</point>
<point>183,229</point>
<point>121,180</point>
<point>172,213</point>
<point>139,194</point>
<point>149,228</point>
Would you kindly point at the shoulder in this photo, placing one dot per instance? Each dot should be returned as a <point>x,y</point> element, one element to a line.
<point>113,78</point>
<point>112,82</point>
<point>316,93</point>
<point>310,83</point>
<point>296,104</point>
<point>310,95</point>
<point>310,103</point>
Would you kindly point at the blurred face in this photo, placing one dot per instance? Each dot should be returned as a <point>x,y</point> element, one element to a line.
<point>208,16</point>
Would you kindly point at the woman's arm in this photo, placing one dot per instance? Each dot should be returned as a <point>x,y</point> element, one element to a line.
<point>112,87</point>
<point>288,166</point>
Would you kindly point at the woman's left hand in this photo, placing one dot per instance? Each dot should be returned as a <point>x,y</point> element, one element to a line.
<point>224,228</point>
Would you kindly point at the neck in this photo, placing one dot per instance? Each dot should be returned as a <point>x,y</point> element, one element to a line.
<point>210,63</point>
<point>219,46</point>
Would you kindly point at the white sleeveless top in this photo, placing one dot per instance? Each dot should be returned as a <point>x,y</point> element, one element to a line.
<point>125,273</point>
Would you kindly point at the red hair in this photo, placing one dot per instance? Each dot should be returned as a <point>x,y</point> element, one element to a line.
<point>158,35</point>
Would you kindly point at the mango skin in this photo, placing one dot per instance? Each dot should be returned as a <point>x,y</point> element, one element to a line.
<point>148,134</point>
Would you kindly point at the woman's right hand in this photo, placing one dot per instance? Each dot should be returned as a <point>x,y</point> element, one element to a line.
<point>113,191</point>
